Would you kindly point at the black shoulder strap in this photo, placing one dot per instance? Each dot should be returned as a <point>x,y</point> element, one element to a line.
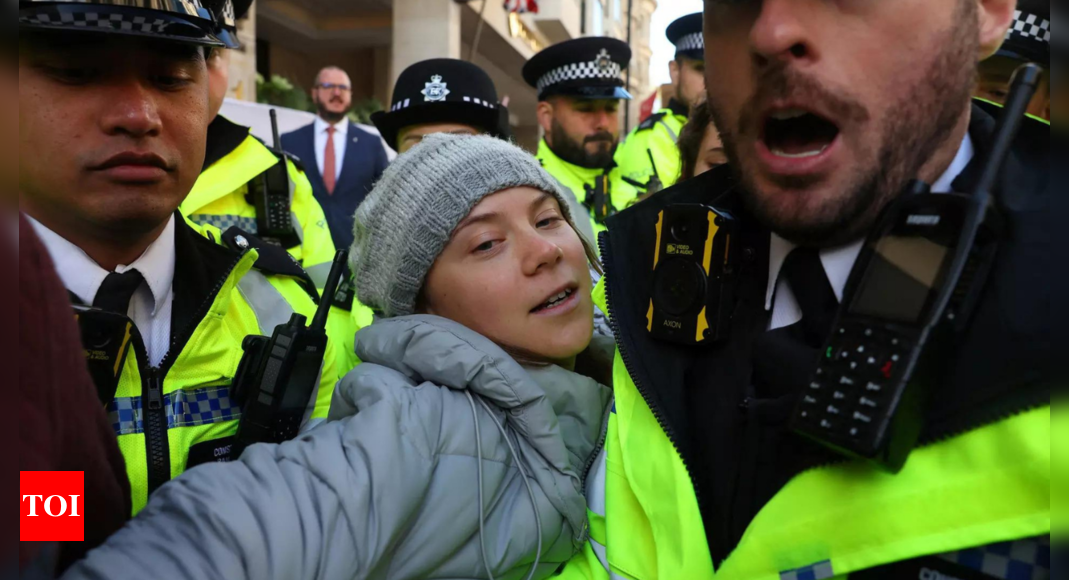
<point>273,260</point>
<point>651,122</point>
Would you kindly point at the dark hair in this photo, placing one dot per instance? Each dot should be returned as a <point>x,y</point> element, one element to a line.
<point>691,137</point>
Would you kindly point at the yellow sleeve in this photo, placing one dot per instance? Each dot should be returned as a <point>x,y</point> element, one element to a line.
<point>317,248</point>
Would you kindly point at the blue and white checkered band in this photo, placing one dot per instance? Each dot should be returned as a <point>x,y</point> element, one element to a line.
<point>600,68</point>
<point>186,7</point>
<point>89,20</point>
<point>693,41</point>
<point>1029,26</point>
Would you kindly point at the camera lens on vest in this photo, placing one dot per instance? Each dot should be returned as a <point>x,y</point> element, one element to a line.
<point>679,287</point>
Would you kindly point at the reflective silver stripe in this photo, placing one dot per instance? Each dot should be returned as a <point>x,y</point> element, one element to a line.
<point>225,221</point>
<point>267,303</point>
<point>595,486</point>
<point>600,552</point>
<point>297,226</point>
<point>319,274</point>
<point>671,133</point>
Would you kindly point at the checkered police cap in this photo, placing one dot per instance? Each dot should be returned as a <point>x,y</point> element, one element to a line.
<point>603,68</point>
<point>588,67</point>
<point>177,20</point>
<point>686,34</point>
<point>1029,26</point>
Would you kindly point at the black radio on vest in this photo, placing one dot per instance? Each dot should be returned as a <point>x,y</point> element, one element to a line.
<point>271,195</point>
<point>911,292</point>
<point>277,376</point>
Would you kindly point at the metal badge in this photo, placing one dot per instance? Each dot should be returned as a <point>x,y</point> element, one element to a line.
<point>604,61</point>
<point>435,90</point>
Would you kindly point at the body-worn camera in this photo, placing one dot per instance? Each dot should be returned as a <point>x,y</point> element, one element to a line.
<point>693,275</point>
<point>910,295</point>
<point>599,198</point>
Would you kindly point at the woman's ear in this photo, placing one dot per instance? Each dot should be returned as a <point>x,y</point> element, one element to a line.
<point>995,19</point>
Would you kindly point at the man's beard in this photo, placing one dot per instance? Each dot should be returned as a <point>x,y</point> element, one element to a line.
<point>911,133</point>
<point>330,116</point>
<point>576,153</point>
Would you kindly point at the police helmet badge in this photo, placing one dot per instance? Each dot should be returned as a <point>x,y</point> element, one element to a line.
<point>604,61</point>
<point>435,90</point>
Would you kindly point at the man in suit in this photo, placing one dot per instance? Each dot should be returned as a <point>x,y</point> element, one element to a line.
<point>348,160</point>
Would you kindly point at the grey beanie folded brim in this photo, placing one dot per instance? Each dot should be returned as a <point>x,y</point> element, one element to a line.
<point>409,217</point>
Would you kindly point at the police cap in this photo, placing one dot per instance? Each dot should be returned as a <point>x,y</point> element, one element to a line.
<point>686,34</point>
<point>1029,35</point>
<point>587,68</point>
<point>442,90</point>
<point>185,21</point>
<point>226,14</point>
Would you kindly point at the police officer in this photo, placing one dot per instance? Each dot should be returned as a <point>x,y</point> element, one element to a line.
<point>1028,41</point>
<point>237,177</point>
<point>701,471</point>
<point>579,94</point>
<point>114,110</point>
<point>441,95</point>
<point>649,157</point>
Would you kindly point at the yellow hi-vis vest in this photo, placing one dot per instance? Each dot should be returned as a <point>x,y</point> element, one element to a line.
<point>989,485</point>
<point>191,400</point>
<point>657,136</point>
<point>218,199</point>
<point>577,178</point>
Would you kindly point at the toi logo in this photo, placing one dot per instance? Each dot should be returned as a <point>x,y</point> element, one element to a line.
<point>52,506</point>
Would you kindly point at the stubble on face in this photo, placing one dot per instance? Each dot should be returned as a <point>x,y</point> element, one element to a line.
<point>910,132</point>
<point>579,153</point>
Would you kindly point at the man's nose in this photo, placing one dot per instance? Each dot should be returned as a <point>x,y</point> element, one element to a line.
<point>779,35</point>
<point>131,110</point>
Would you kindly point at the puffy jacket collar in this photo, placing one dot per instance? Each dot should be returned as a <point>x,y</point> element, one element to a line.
<point>541,402</point>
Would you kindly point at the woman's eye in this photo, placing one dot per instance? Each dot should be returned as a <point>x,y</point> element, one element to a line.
<point>485,246</point>
<point>549,221</point>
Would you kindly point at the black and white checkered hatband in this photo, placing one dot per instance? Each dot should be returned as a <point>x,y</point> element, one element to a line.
<point>173,22</point>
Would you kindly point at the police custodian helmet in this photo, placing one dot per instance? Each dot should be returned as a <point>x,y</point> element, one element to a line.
<point>185,21</point>
<point>585,68</point>
<point>686,35</point>
<point>443,90</point>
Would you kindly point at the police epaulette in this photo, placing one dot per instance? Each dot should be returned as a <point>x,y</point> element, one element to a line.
<point>651,121</point>
<point>272,259</point>
<point>280,154</point>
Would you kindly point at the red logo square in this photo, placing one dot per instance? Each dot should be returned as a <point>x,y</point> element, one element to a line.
<point>53,506</point>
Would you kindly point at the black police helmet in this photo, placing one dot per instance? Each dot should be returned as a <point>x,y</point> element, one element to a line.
<point>686,35</point>
<point>585,68</point>
<point>1029,36</point>
<point>185,21</point>
<point>443,90</point>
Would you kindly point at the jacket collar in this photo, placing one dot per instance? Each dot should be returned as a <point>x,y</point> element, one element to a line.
<point>224,137</point>
<point>677,108</point>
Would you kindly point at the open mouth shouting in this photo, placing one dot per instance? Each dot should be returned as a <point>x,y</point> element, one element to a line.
<point>796,141</point>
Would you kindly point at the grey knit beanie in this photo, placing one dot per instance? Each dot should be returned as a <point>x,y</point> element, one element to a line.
<point>408,218</point>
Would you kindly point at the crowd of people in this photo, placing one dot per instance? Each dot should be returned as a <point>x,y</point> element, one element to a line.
<point>492,398</point>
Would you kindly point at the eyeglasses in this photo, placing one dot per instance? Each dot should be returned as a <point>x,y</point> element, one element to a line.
<point>331,87</point>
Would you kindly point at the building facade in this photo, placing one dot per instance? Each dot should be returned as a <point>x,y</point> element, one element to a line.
<point>373,40</point>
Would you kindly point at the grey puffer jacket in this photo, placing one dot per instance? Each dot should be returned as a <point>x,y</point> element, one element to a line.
<point>390,488</point>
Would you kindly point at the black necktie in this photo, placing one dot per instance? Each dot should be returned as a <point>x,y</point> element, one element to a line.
<point>784,358</point>
<point>117,290</point>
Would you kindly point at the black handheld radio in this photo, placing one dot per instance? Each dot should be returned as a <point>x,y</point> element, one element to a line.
<point>599,197</point>
<point>654,185</point>
<point>271,194</point>
<point>277,376</point>
<point>693,275</point>
<point>912,290</point>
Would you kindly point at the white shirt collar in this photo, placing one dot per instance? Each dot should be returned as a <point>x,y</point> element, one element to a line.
<point>340,128</point>
<point>838,262</point>
<point>83,277</point>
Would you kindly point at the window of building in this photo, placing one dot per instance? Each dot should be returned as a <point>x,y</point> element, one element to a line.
<point>617,9</point>
<point>598,21</point>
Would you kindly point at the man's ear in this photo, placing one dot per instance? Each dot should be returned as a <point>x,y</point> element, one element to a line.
<point>673,71</point>
<point>545,116</point>
<point>995,19</point>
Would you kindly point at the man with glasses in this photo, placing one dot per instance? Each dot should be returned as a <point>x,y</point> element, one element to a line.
<point>348,160</point>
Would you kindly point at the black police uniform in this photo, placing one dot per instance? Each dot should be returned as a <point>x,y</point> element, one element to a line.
<point>443,90</point>
<point>726,407</point>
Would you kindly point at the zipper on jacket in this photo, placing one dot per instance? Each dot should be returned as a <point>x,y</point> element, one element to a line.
<point>157,445</point>
<point>606,254</point>
<point>598,447</point>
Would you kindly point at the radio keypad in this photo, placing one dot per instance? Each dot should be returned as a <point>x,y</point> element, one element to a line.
<point>848,396</point>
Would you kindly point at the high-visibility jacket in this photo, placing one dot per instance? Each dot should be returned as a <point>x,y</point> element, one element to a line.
<point>219,196</point>
<point>979,496</point>
<point>579,180</point>
<point>164,415</point>
<point>656,137</point>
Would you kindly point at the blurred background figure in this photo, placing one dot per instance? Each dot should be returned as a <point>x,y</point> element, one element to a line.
<point>1028,41</point>
<point>442,95</point>
<point>700,147</point>
<point>649,157</point>
<point>239,172</point>
<point>347,160</point>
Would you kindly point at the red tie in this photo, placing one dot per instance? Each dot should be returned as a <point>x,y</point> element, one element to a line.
<point>330,173</point>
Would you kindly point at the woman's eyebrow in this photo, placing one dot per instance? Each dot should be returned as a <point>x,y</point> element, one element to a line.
<point>541,200</point>
<point>477,219</point>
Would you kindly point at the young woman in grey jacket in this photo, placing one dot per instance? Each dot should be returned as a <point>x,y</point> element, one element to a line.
<point>460,448</point>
